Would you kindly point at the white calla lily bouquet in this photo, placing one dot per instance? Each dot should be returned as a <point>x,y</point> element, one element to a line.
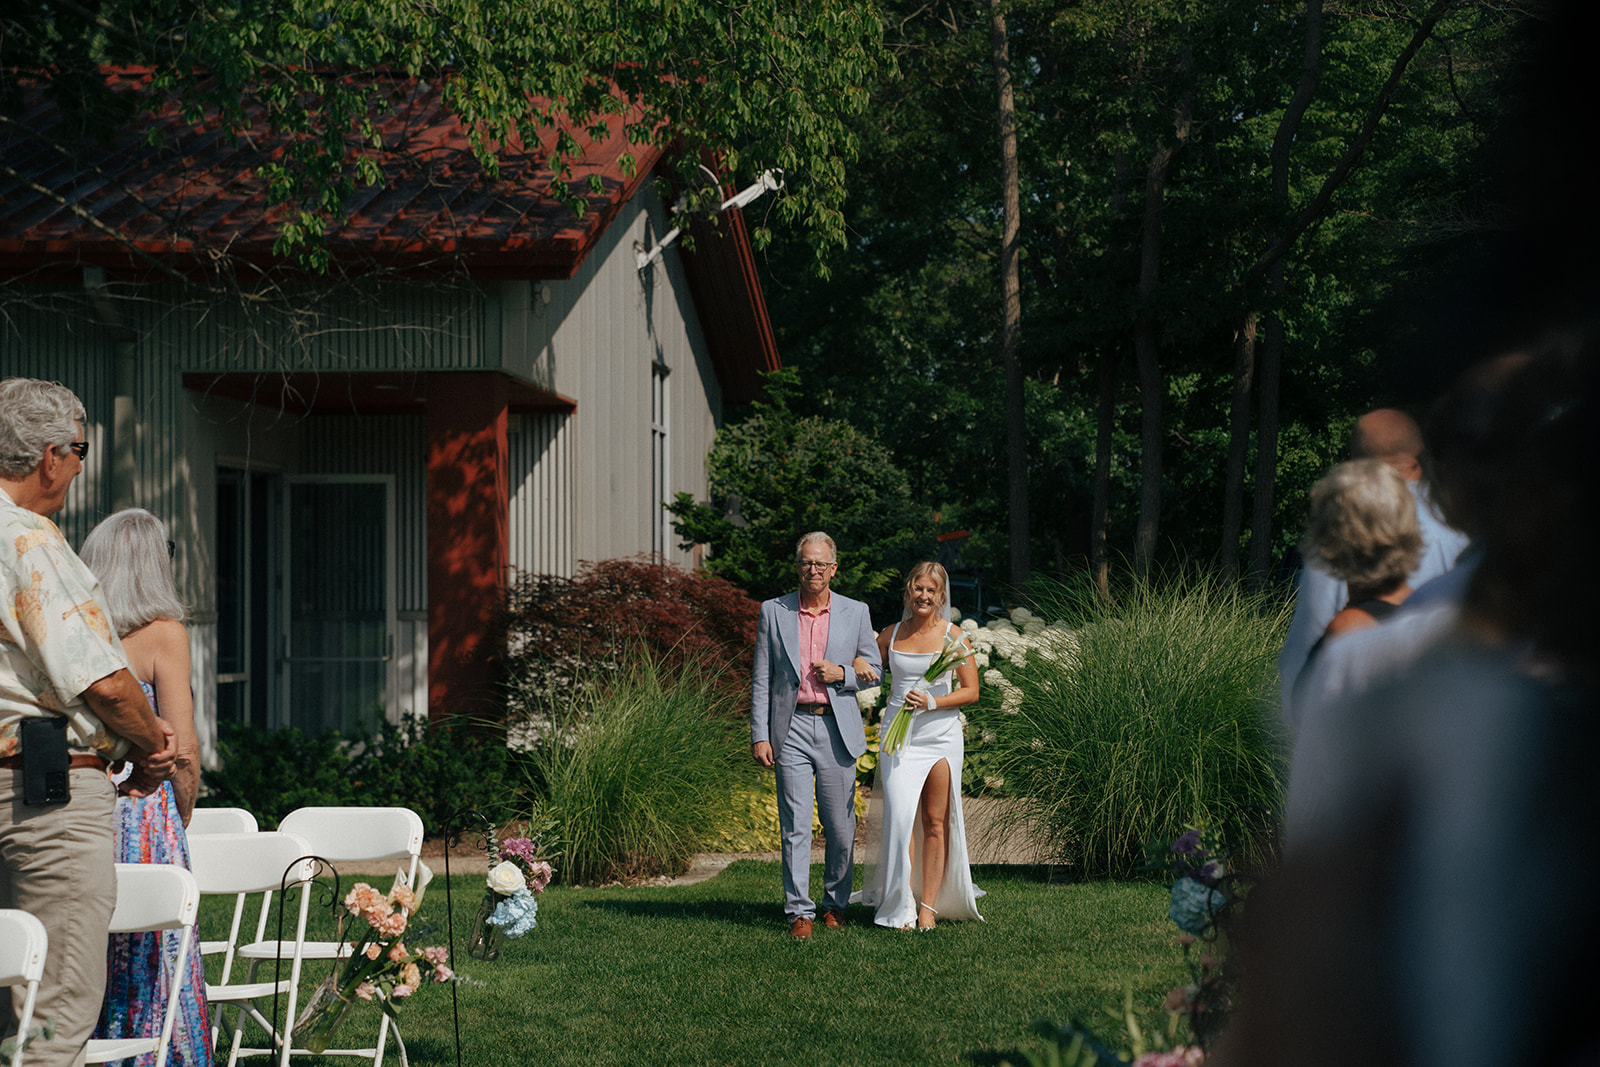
<point>954,651</point>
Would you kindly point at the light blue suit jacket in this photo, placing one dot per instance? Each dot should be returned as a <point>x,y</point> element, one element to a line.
<point>775,685</point>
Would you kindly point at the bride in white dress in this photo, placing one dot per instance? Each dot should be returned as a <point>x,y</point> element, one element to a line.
<point>921,873</point>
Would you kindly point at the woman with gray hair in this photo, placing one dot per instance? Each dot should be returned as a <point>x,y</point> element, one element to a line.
<point>132,557</point>
<point>1363,530</point>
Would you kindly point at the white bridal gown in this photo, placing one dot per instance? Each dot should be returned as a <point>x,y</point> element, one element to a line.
<point>894,876</point>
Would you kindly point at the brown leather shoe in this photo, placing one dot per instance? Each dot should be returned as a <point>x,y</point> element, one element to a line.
<point>800,929</point>
<point>833,920</point>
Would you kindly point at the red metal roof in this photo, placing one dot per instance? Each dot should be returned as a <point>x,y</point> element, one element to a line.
<point>194,189</point>
<point>137,209</point>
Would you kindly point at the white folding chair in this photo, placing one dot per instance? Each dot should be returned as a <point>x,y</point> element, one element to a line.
<point>23,947</point>
<point>235,864</point>
<point>152,896</point>
<point>221,821</point>
<point>351,836</point>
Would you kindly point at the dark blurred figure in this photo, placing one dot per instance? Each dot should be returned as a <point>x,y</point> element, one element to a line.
<point>1437,908</point>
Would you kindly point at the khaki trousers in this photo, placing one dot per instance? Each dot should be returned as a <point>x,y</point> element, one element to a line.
<point>56,861</point>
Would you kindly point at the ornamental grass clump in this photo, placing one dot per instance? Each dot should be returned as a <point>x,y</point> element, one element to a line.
<point>643,767</point>
<point>1162,718</point>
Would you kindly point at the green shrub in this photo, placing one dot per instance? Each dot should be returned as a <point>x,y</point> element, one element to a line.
<point>434,769</point>
<point>641,771</point>
<point>1163,720</point>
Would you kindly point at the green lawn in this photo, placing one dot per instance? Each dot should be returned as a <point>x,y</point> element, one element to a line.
<point>706,974</point>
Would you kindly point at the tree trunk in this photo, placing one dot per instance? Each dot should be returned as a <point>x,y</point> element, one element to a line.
<point>1272,347</point>
<point>1105,424</point>
<point>1244,361</point>
<point>1011,299</point>
<point>1146,347</point>
<point>1100,516</point>
<point>1266,443</point>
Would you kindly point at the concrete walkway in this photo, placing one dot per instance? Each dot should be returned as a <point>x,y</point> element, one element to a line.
<point>986,843</point>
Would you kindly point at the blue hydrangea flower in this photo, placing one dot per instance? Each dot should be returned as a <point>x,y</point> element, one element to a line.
<point>515,914</point>
<point>1193,904</point>
<point>1187,843</point>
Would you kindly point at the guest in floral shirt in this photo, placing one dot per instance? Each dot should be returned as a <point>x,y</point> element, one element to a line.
<point>60,659</point>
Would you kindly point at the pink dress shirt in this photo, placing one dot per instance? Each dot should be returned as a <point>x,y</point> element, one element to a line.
<point>813,646</point>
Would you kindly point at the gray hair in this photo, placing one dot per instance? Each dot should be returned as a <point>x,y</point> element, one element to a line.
<point>817,535</point>
<point>1363,525</point>
<point>33,415</point>
<point>128,553</point>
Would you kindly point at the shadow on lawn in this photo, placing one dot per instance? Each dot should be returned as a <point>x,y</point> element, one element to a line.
<point>733,912</point>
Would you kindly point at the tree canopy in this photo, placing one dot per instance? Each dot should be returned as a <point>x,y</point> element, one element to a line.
<point>758,86</point>
<point>1110,96</point>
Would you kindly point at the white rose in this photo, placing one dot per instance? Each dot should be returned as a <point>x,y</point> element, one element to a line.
<point>507,878</point>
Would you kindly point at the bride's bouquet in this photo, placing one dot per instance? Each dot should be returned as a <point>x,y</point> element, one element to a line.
<point>955,650</point>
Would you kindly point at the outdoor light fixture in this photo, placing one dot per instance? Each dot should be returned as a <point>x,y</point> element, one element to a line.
<point>770,181</point>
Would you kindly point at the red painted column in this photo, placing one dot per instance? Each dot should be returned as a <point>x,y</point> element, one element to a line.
<point>468,537</point>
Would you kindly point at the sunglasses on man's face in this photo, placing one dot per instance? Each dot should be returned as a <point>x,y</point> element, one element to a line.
<point>81,448</point>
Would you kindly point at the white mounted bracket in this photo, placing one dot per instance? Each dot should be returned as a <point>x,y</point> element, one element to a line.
<point>770,181</point>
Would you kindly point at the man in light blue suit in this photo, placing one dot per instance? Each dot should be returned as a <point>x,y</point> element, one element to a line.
<point>805,722</point>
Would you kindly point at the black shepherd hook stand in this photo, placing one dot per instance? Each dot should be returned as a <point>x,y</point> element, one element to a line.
<point>452,835</point>
<point>327,898</point>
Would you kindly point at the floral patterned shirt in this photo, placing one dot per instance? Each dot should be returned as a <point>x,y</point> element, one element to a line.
<point>55,640</point>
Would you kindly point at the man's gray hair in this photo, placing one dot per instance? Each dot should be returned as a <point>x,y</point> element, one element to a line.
<point>33,415</point>
<point>128,553</point>
<point>817,535</point>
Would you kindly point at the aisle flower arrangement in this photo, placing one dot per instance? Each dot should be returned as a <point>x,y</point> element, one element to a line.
<point>516,874</point>
<point>380,966</point>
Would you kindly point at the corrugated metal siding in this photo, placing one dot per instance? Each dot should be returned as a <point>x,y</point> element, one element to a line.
<point>543,518</point>
<point>625,323</point>
<point>72,349</point>
<point>349,327</point>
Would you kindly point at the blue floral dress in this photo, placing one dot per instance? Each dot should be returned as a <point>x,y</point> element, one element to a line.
<point>150,830</point>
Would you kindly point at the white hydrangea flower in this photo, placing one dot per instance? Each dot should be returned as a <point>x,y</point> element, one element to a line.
<point>993,781</point>
<point>969,625</point>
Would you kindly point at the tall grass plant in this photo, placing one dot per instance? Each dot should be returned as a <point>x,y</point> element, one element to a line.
<point>1165,718</point>
<point>645,766</point>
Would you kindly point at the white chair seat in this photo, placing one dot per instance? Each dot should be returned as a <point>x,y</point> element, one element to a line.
<point>310,950</point>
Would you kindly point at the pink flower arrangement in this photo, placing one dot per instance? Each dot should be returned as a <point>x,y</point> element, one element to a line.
<point>1182,1056</point>
<point>380,967</point>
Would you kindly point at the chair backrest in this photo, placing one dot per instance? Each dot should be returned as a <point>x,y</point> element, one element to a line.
<point>154,896</point>
<point>23,945</point>
<point>222,821</point>
<point>249,863</point>
<point>357,835</point>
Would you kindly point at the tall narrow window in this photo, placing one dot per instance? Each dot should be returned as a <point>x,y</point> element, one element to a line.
<point>660,489</point>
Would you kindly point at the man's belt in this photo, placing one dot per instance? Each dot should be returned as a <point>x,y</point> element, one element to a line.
<point>88,759</point>
<point>815,709</point>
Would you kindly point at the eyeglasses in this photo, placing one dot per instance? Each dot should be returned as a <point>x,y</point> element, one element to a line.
<point>81,448</point>
<point>813,565</point>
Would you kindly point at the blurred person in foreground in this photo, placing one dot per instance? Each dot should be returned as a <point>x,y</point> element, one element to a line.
<point>1394,438</point>
<point>69,706</point>
<point>1437,906</point>
<point>1362,530</point>
<point>129,553</point>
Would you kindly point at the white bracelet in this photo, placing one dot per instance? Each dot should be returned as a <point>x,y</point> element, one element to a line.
<point>931,703</point>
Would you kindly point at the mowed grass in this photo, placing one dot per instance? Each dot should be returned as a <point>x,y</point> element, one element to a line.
<point>706,974</point>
